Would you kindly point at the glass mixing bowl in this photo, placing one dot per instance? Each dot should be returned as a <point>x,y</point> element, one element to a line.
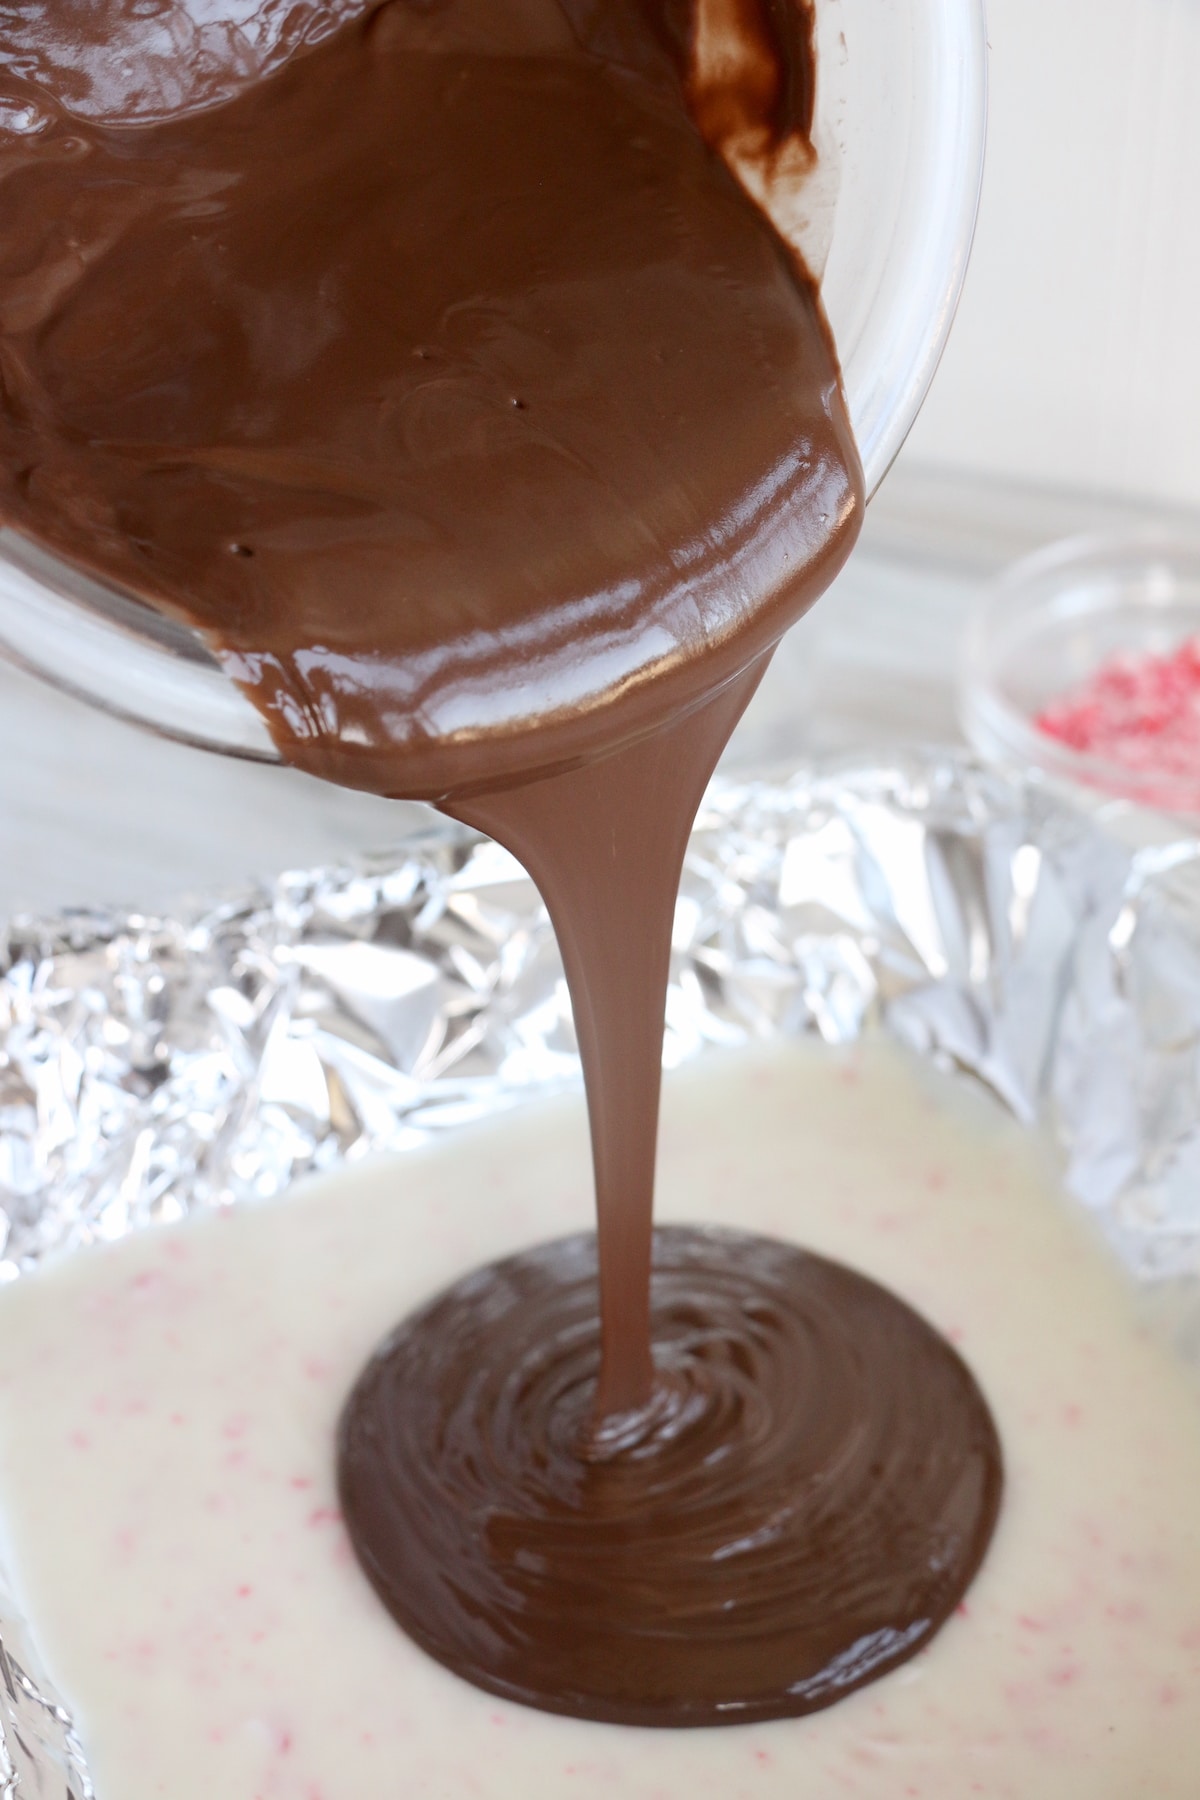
<point>900,129</point>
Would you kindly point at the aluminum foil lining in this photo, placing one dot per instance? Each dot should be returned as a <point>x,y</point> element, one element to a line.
<point>151,1068</point>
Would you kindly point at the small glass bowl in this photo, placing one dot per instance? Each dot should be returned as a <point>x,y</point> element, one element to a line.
<point>1047,626</point>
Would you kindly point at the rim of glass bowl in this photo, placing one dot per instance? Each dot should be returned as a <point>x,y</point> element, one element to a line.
<point>891,294</point>
<point>891,285</point>
<point>1154,572</point>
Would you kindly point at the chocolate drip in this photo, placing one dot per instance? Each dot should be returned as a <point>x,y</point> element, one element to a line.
<point>605,844</point>
<point>450,364</point>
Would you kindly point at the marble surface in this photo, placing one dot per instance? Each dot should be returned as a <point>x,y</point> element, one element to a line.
<point>93,810</point>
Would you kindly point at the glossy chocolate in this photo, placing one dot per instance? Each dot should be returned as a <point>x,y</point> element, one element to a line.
<point>805,1501</point>
<point>450,364</point>
<point>446,377</point>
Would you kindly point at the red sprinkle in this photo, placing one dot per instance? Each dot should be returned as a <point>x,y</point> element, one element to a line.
<point>1142,713</point>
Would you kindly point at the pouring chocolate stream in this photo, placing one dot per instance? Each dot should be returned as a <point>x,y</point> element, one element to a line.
<point>448,369</point>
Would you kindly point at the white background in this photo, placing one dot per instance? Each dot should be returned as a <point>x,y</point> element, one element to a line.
<point>1076,355</point>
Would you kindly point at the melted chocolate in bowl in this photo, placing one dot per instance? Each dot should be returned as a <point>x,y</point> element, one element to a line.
<point>442,362</point>
<point>446,377</point>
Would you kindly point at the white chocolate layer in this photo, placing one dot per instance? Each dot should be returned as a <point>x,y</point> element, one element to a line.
<point>167,1409</point>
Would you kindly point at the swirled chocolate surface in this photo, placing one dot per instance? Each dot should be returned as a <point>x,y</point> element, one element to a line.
<point>798,1508</point>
